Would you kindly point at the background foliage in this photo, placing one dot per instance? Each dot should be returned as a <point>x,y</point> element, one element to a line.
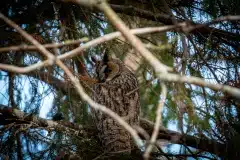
<point>189,109</point>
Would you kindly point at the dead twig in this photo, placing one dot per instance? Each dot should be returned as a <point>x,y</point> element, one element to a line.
<point>25,47</point>
<point>76,83</point>
<point>87,45</point>
<point>51,58</point>
<point>157,123</point>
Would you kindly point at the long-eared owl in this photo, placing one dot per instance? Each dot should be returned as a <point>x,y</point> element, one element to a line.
<point>117,89</point>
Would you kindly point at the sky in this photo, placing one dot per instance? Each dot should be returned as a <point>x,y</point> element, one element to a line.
<point>46,98</point>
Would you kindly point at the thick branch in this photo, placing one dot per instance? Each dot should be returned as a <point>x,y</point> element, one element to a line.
<point>51,80</point>
<point>177,138</point>
<point>168,20</point>
<point>8,115</point>
<point>80,90</point>
<point>160,68</point>
<point>89,44</point>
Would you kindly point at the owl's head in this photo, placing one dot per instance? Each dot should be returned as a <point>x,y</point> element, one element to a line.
<point>107,68</point>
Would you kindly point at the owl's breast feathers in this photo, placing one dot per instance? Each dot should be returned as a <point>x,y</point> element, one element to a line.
<point>121,96</point>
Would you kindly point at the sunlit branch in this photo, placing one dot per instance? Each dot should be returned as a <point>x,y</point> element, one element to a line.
<point>87,45</point>
<point>158,122</point>
<point>51,58</point>
<point>170,77</point>
<point>25,47</point>
<point>160,69</point>
<point>76,83</point>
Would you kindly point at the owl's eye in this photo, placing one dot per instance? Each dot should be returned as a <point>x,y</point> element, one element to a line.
<point>104,72</point>
<point>102,75</point>
<point>103,69</point>
<point>106,69</point>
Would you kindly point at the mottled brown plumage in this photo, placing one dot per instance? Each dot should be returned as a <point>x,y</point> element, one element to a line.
<point>118,90</point>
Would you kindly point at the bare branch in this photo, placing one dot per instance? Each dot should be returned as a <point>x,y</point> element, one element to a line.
<point>194,80</point>
<point>111,36</point>
<point>134,31</point>
<point>76,83</point>
<point>174,137</point>
<point>160,69</point>
<point>9,116</point>
<point>220,19</point>
<point>30,39</point>
<point>133,40</point>
<point>100,107</point>
<point>51,45</point>
<point>170,77</point>
<point>178,138</point>
<point>157,123</point>
<point>16,69</point>
<point>89,44</point>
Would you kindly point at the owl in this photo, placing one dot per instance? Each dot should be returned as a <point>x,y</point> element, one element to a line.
<point>117,89</point>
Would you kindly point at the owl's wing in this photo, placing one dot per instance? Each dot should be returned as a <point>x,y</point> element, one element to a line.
<point>133,102</point>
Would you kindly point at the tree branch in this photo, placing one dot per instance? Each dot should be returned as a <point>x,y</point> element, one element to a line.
<point>52,59</point>
<point>203,29</point>
<point>160,69</point>
<point>9,115</point>
<point>158,122</point>
<point>177,138</point>
<point>89,44</point>
<point>48,46</point>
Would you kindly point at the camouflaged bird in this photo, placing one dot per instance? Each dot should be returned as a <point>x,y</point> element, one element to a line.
<point>117,89</point>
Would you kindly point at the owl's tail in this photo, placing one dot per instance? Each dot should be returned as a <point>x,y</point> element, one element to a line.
<point>115,138</point>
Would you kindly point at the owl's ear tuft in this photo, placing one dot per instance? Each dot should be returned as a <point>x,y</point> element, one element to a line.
<point>93,59</point>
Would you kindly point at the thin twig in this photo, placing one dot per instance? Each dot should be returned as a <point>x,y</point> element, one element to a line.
<point>48,46</point>
<point>157,123</point>
<point>220,19</point>
<point>100,107</point>
<point>78,86</point>
<point>87,45</point>
<point>16,69</point>
<point>133,40</point>
<point>51,58</point>
<point>161,70</point>
<point>194,80</point>
<point>170,77</point>
<point>114,35</point>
